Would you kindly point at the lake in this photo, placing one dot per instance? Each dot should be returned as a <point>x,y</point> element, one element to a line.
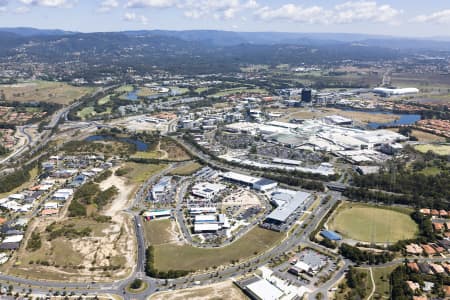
<point>404,119</point>
<point>133,96</point>
<point>140,146</point>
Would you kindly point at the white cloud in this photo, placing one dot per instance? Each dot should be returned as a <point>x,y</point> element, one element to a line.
<point>150,3</point>
<point>440,17</point>
<point>296,13</point>
<point>49,3</point>
<point>224,9</point>
<point>21,10</point>
<point>129,16</point>
<point>133,17</point>
<point>108,5</point>
<point>347,12</point>
<point>355,11</point>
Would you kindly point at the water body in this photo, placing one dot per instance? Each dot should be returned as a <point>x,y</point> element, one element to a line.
<point>133,96</point>
<point>140,146</point>
<point>404,119</point>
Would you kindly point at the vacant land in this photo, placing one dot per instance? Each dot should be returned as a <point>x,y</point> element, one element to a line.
<point>359,116</point>
<point>159,232</point>
<point>44,91</point>
<point>373,224</point>
<point>138,173</point>
<point>381,278</point>
<point>222,290</point>
<point>186,257</point>
<point>76,249</point>
<point>187,169</point>
<point>438,149</point>
<point>174,151</point>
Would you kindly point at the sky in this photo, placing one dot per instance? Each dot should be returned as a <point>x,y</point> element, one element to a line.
<point>409,18</point>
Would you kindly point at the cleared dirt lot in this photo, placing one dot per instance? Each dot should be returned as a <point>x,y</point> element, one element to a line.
<point>223,290</point>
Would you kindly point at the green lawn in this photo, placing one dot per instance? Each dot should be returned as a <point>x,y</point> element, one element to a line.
<point>438,149</point>
<point>373,224</point>
<point>186,257</point>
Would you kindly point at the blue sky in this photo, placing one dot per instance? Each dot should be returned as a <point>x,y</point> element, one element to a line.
<point>388,17</point>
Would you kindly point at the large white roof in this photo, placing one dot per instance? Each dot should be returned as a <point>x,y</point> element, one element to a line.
<point>265,290</point>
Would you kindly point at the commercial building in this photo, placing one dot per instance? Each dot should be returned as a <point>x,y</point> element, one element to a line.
<point>159,190</point>
<point>202,210</point>
<point>306,95</point>
<point>264,290</point>
<point>207,190</point>
<point>157,214</point>
<point>386,92</point>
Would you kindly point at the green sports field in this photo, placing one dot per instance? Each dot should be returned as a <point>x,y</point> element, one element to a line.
<point>366,223</point>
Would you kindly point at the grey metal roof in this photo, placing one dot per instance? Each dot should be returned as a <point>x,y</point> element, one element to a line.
<point>289,203</point>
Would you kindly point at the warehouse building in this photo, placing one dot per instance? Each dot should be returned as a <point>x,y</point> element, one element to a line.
<point>287,203</point>
<point>260,184</point>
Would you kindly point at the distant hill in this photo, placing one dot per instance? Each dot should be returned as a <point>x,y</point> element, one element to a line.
<point>29,31</point>
<point>231,38</point>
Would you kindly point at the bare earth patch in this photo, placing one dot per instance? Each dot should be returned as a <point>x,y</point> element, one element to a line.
<point>222,290</point>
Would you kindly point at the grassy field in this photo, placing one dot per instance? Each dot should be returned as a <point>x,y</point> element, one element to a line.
<point>368,223</point>
<point>141,172</point>
<point>438,149</point>
<point>44,91</point>
<point>431,171</point>
<point>222,290</point>
<point>187,170</point>
<point>104,100</point>
<point>186,257</point>
<point>145,92</point>
<point>239,90</point>
<point>124,89</point>
<point>157,232</point>
<point>148,154</point>
<point>381,278</point>
<point>174,151</point>
<point>86,112</point>
<point>342,294</point>
<point>423,136</point>
<point>25,185</point>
